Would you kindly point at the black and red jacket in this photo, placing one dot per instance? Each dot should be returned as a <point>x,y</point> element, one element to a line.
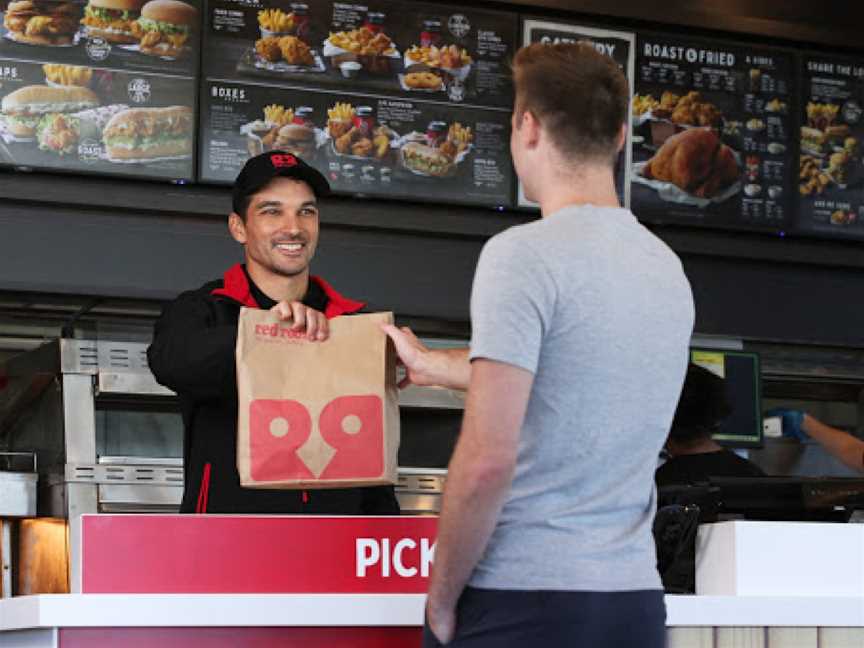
<point>193,354</point>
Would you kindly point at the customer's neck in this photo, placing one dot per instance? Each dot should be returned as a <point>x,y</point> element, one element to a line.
<point>589,185</point>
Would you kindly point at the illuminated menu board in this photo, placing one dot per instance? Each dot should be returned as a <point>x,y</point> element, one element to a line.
<point>391,99</point>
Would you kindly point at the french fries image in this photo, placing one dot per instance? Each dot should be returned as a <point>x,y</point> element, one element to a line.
<point>458,139</point>
<point>68,75</point>
<point>276,20</point>
<point>460,134</point>
<point>341,112</point>
<point>340,119</point>
<point>276,114</point>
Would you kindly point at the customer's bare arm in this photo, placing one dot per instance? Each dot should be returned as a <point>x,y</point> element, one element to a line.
<point>478,480</point>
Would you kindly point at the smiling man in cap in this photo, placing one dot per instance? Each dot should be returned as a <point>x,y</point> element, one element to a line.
<point>275,219</point>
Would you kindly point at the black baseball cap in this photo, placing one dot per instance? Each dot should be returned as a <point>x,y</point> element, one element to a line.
<point>261,169</point>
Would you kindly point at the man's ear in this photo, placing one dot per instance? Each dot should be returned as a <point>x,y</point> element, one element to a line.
<point>530,128</point>
<point>237,228</point>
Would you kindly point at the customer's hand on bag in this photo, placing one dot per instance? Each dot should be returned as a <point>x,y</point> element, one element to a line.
<point>413,355</point>
<point>303,318</point>
<point>427,367</point>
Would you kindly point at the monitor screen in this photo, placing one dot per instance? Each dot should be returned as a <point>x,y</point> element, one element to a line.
<point>741,371</point>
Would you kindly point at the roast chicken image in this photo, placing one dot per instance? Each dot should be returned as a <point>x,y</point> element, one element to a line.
<point>696,161</point>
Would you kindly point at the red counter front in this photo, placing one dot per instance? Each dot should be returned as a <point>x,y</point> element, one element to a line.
<point>215,554</point>
<point>242,555</point>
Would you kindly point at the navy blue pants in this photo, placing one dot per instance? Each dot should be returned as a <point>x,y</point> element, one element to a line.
<point>501,618</point>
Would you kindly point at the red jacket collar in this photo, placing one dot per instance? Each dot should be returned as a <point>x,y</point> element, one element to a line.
<point>235,286</point>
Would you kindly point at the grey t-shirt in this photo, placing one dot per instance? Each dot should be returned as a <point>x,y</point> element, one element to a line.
<point>599,310</point>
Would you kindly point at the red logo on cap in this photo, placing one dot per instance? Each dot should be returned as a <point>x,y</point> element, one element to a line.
<point>280,160</point>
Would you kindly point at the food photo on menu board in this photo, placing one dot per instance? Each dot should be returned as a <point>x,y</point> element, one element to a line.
<point>411,49</point>
<point>831,163</point>
<point>57,116</point>
<point>374,146</point>
<point>712,134</point>
<point>155,35</point>
<point>617,45</point>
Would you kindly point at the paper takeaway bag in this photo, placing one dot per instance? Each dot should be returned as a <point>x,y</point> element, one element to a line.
<point>316,414</point>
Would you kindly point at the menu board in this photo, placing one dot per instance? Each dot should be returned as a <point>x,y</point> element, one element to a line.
<point>409,49</point>
<point>107,86</point>
<point>388,98</point>
<point>713,140</point>
<point>160,36</point>
<point>831,173</point>
<point>387,154</point>
<point>618,45</point>
<point>113,123</point>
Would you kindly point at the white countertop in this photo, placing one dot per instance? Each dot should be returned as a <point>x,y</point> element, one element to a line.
<point>254,610</point>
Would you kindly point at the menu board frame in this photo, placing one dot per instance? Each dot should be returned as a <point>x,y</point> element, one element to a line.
<point>194,70</point>
<point>440,149</point>
<point>98,100</point>
<point>753,102</point>
<point>463,62</point>
<point>824,191</point>
<point>588,32</point>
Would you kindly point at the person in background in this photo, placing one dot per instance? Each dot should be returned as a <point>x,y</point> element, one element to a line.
<point>581,322</point>
<point>275,219</point>
<point>842,445</point>
<point>694,455</point>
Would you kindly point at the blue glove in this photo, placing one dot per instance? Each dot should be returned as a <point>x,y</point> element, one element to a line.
<point>792,421</point>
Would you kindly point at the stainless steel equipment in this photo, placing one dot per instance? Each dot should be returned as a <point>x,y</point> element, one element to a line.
<point>109,438</point>
<point>17,500</point>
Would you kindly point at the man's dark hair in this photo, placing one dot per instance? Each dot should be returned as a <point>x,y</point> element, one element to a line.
<point>243,205</point>
<point>702,408</point>
<point>578,95</point>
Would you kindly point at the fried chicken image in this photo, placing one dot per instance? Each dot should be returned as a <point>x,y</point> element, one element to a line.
<point>693,110</point>
<point>668,102</point>
<point>295,51</point>
<point>269,49</point>
<point>343,142</point>
<point>696,161</point>
<point>362,147</point>
<point>423,80</point>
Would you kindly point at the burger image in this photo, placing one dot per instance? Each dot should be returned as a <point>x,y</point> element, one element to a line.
<point>148,133</point>
<point>296,139</point>
<point>427,160</point>
<point>24,108</point>
<point>164,27</point>
<point>42,22</point>
<point>112,19</point>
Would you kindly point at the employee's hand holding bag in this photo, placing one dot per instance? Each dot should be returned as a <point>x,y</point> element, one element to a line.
<point>303,318</point>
